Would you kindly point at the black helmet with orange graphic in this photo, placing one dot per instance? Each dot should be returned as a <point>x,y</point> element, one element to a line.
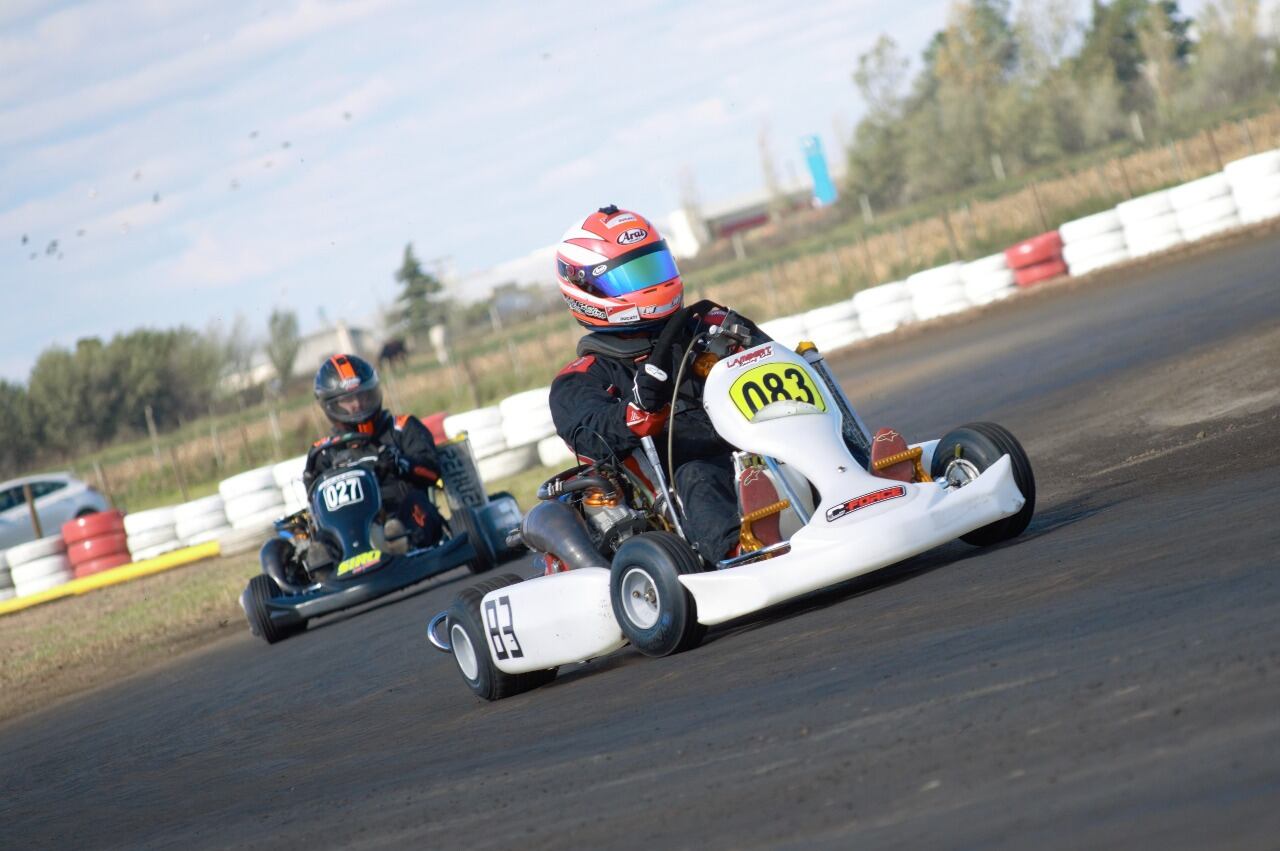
<point>348,391</point>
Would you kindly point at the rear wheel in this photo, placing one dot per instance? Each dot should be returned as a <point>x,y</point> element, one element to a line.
<point>656,613</point>
<point>465,520</point>
<point>469,644</point>
<point>965,453</point>
<point>260,590</point>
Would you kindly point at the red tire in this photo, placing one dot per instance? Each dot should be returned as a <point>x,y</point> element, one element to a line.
<point>92,525</point>
<point>1040,272</point>
<point>97,565</point>
<point>1038,249</point>
<point>435,424</point>
<point>99,547</point>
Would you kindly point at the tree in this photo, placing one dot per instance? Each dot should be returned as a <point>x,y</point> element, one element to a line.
<point>21,440</point>
<point>1231,56</point>
<point>283,342</point>
<point>419,305</point>
<point>876,164</point>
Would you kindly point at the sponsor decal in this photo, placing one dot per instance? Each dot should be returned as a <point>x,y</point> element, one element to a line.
<point>348,383</point>
<point>342,491</point>
<point>584,308</point>
<point>887,435</point>
<point>622,219</point>
<point>360,563</point>
<point>627,314</point>
<point>630,236</point>
<point>750,357</point>
<point>873,498</point>
<point>649,310</point>
<point>599,270</point>
<point>656,372</point>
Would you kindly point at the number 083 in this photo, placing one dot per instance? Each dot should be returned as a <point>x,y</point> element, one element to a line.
<point>774,382</point>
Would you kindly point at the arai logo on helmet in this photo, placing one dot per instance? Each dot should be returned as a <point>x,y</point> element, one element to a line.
<point>630,236</point>
<point>599,270</point>
<point>750,357</point>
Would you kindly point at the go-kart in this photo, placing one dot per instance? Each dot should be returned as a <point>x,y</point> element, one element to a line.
<point>340,551</point>
<point>620,570</point>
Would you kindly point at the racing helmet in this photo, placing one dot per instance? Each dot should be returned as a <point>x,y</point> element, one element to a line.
<point>348,391</point>
<point>616,272</point>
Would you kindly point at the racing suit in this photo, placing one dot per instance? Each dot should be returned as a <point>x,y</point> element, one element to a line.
<point>589,407</point>
<point>413,466</point>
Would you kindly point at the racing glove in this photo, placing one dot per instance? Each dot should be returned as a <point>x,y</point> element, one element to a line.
<point>651,405</point>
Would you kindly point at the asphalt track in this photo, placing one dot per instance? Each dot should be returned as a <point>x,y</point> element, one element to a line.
<point>1110,679</point>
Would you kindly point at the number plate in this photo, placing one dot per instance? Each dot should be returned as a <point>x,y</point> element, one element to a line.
<point>339,493</point>
<point>359,563</point>
<point>774,382</point>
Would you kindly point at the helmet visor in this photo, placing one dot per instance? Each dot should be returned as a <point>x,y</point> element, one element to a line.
<point>634,272</point>
<point>354,407</point>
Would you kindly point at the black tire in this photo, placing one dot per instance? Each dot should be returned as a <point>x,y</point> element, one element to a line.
<point>654,561</point>
<point>466,629</point>
<point>486,559</point>
<point>981,445</point>
<point>261,589</point>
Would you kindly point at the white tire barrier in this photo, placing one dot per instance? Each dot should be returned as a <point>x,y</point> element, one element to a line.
<point>1093,242</point>
<point>206,536</point>
<point>1260,212</point>
<point>1152,243</point>
<point>988,279</point>
<point>197,508</point>
<point>289,471</point>
<point>254,503</point>
<point>508,463</point>
<point>886,318</point>
<point>472,421</point>
<point>33,550</point>
<point>145,521</point>
<point>486,441</point>
<point>938,291</point>
<point>1257,192</point>
<point>837,334</point>
<point>152,538</point>
<point>189,528</point>
<point>1088,227</point>
<point>157,550</point>
<point>36,586</point>
<point>246,483</point>
<point>841,311</point>
<point>552,452</point>
<point>1193,232</point>
<point>263,520</point>
<point>526,417</point>
<point>881,296</point>
<point>1094,262</point>
<point>7,593</point>
<point>787,330</point>
<point>1255,184</point>
<point>1197,192</point>
<point>32,571</point>
<point>1142,208</point>
<point>1206,213</point>
<point>1250,169</point>
<point>235,542</point>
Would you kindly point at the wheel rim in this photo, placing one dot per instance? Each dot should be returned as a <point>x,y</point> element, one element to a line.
<point>464,653</point>
<point>640,599</point>
<point>961,472</point>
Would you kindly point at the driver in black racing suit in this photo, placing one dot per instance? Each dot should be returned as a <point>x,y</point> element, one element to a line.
<point>620,280</point>
<point>349,394</point>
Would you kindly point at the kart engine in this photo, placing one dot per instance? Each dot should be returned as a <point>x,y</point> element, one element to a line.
<point>611,519</point>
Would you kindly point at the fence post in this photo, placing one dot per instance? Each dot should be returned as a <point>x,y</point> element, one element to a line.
<point>177,474</point>
<point>31,506</point>
<point>1124,176</point>
<point>1177,161</point>
<point>1044,220</point>
<point>951,234</point>
<point>867,261</point>
<point>155,435</point>
<point>1213,146</point>
<point>101,476</point>
<point>868,215</point>
<point>1247,135</point>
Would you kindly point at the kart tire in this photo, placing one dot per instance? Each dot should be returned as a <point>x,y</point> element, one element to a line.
<point>982,444</point>
<point>262,588</point>
<point>465,520</point>
<point>654,561</point>
<point>92,526</point>
<point>470,643</point>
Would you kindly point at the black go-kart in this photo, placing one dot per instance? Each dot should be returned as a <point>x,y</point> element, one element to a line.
<point>340,551</point>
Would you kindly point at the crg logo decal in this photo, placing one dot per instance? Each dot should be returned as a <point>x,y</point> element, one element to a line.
<point>873,498</point>
<point>631,236</point>
<point>750,357</point>
<point>585,309</point>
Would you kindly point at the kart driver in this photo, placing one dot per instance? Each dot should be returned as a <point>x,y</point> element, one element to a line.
<point>349,394</point>
<point>621,282</point>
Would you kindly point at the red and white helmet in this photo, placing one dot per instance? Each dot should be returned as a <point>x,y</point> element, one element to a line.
<point>616,272</point>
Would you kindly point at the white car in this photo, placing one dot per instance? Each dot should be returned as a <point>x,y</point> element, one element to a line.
<point>59,497</point>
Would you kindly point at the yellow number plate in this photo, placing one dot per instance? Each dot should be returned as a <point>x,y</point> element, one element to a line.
<point>357,563</point>
<point>774,382</point>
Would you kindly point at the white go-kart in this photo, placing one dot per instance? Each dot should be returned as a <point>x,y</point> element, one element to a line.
<point>821,501</point>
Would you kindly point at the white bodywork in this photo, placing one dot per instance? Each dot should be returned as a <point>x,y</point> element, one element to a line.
<point>567,617</point>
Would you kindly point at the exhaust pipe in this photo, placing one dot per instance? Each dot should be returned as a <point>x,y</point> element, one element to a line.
<point>553,527</point>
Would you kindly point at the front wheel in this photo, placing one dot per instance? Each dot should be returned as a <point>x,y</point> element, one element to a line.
<point>656,613</point>
<point>469,645</point>
<point>261,589</point>
<point>467,520</point>
<point>965,453</point>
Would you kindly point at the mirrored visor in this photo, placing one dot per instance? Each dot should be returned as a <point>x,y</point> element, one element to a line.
<point>636,272</point>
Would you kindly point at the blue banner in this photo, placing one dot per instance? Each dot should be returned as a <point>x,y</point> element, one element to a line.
<point>824,190</point>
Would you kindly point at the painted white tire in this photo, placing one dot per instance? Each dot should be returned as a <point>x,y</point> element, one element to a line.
<point>984,267</point>
<point>145,521</point>
<point>151,538</point>
<point>1143,208</point>
<point>236,542</point>
<point>516,434</point>
<point>937,309</point>
<point>977,287</point>
<point>1094,262</point>
<point>206,536</point>
<point>522,404</point>
<point>198,508</point>
<point>787,330</point>
<point>1207,229</point>
<point>841,311</point>
<point>994,295</point>
<point>157,550</point>
<point>1090,226</point>
<point>7,593</point>
<point>1210,211</point>
<point>1154,243</point>
<point>472,421</point>
<point>191,526</point>
<point>931,282</point>
<point>27,589</point>
<point>294,492</point>
<point>250,482</point>
<point>886,318</point>
<point>923,303</point>
<point>1246,170</point>
<point>33,550</point>
<point>873,297</point>
<point>254,503</point>
<point>1078,252</point>
<point>552,452</point>
<point>1260,212</point>
<point>837,335</point>
<point>264,519</point>
<point>39,568</point>
<point>486,441</point>
<point>4,559</point>
<point>288,471</point>
<point>1152,229</point>
<point>6,578</point>
<point>1197,192</point>
<point>1261,191</point>
<point>508,463</point>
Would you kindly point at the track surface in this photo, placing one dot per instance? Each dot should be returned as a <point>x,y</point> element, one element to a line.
<point>1109,679</point>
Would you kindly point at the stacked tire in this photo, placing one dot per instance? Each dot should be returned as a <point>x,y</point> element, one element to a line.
<point>252,501</point>
<point>883,308</point>
<point>484,431</point>
<point>288,477</point>
<point>1204,207</point>
<point>787,330</point>
<point>834,326</point>
<point>38,565</point>
<point>1093,242</point>
<point>96,542</point>
<point>1150,224</point>
<point>200,520</point>
<point>1255,186</point>
<point>988,279</point>
<point>938,291</point>
<point>553,452</point>
<point>1037,259</point>
<point>151,533</point>
<point>526,420</point>
<point>7,591</point>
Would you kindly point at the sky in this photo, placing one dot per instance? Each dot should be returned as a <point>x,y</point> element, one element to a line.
<point>167,162</point>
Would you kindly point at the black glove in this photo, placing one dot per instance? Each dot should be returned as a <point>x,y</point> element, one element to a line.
<point>651,388</point>
<point>392,461</point>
